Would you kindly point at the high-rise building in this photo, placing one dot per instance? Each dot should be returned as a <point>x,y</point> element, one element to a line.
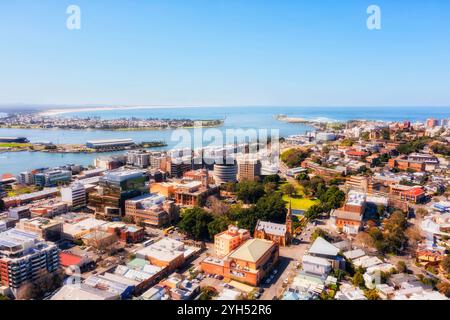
<point>249,169</point>
<point>25,178</point>
<point>431,123</point>
<point>138,158</point>
<point>224,173</point>
<point>25,258</point>
<point>178,166</point>
<point>115,187</point>
<point>158,161</point>
<point>74,195</point>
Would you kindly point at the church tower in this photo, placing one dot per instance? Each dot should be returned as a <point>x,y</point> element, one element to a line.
<point>289,230</point>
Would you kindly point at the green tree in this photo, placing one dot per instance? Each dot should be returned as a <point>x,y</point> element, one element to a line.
<point>294,157</point>
<point>288,189</point>
<point>320,233</point>
<point>272,208</point>
<point>413,146</point>
<point>347,142</point>
<point>445,264</point>
<point>441,149</point>
<point>207,293</point>
<point>317,186</point>
<point>314,211</point>
<point>274,178</point>
<point>249,191</point>
<point>245,218</point>
<point>365,136</point>
<point>270,187</point>
<point>444,288</point>
<point>358,279</point>
<point>194,223</point>
<point>229,187</point>
<point>219,224</point>
<point>333,197</point>
<point>302,176</point>
<point>401,267</point>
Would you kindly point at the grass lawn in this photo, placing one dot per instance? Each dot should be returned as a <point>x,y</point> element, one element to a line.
<point>300,203</point>
<point>15,145</point>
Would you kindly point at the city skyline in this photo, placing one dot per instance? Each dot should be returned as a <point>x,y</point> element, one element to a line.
<point>295,53</point>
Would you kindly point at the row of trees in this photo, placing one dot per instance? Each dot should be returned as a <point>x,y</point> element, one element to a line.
<point>443,149</point>
<point>201,224</point>
<point>330,196</point>
<point>294,157</point>
<point>393,238</point>
<point>250,192</point>
<point>413,146</point>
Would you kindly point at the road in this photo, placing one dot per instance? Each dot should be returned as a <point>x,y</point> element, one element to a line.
<point>290,256</point>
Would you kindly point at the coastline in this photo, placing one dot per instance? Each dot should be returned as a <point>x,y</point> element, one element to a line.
<point>58,111</point>
<point>112,130</point>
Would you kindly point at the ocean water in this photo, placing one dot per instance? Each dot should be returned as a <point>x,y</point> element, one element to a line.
<point>255,116</point>
<point>235,117</point>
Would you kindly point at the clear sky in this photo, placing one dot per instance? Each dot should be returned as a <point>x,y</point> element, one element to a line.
<point>225,52</point>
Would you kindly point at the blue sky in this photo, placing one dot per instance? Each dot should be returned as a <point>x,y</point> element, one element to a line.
<point>225,52</point>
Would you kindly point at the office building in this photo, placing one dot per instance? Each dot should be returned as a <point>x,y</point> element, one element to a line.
<point>74,195</point>
<point>224,173</point>
<point>24,258</point>
<point>138,158</point>
<point>115,187</point>
<point>49,230</point>
<point>194,193</point>
<point>151,209</point>
<point>53,178</point>
<point>25,178</point>
<point>49,209</point>
<point>176,167</point>
<point>249,169</point>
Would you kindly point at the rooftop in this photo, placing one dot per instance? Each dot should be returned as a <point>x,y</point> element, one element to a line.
<point>15,237</point>
<point>165,249</point>
<point>122,175</point>
<point>346,215</point>
<point>272,228</point>
<point>252,250</point>
<point>83,292</point>
<point>355,198</point>
<point>323,247</point>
